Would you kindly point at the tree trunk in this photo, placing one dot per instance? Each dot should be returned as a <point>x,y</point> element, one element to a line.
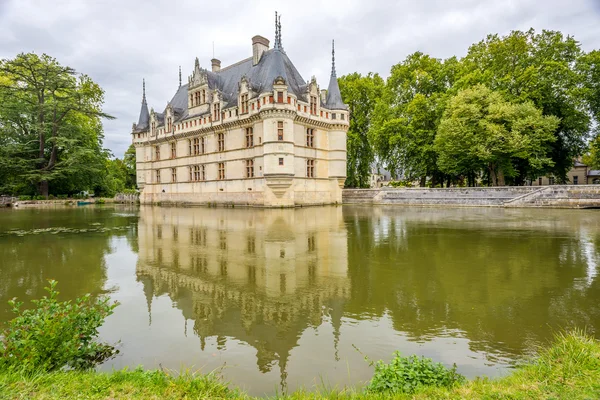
<point>43,188</point>
<point>423,181</point>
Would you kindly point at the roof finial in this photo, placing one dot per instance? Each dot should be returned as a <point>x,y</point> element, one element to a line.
<point>143,90</point>
<point>332,57</point>
<point>276,45</point>
<point>180,76</point>
<point>279,27</point>
<point>197,63</point>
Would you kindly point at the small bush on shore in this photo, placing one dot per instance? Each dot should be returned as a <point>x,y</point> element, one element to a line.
<point>410,374</point>
<point>55,335</point>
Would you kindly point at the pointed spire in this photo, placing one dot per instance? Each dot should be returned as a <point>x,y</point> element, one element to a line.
<point>197,64</point>
<point>180,76</point>
<point>334,97</point>
<point>144,120</point>
<point>333,58</point>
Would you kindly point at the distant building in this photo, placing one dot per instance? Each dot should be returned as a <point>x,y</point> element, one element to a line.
<point>380,177</point>
<point>580,174</point>
<point>252,133</point>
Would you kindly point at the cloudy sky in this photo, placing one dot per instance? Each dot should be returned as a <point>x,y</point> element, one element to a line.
<point>119,42</point>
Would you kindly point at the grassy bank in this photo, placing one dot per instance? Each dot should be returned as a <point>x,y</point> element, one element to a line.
<point>569,369</point>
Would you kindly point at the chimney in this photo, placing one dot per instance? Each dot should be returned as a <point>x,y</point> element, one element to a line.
<point>323,96</point>
<point>216,65</point>
<point>259,46</point>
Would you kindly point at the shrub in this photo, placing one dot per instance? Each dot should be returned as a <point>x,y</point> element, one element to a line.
<point>51,197</point>
<point>100,201</point>
<point>55,335</point>
<point>40,197</point>
<point>62,196</point>
<point>24,198</point>
<point>409,374</point>
<point>398,184</point>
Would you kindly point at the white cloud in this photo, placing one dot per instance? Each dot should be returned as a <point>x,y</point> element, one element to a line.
<point>118,43</point>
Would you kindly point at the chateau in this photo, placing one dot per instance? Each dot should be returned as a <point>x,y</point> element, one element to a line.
<point>252,133</point>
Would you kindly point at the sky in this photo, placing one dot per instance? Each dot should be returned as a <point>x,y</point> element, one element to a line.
<point>120,42</point>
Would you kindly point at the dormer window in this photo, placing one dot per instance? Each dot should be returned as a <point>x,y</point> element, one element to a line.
<point>280,97</point>
<point>169,124</point>
<point>244,101</point>
<point>216,111</point>
<point>313,105</point>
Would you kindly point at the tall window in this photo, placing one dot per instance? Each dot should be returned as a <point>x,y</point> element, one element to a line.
<point>221,141</point>
<point>244,103</point>
<point>551,181</point>
<point>157,152</point>
<point>203,172</point>
<point>217,111</point>
<point>333,115</point>
<point>280,97</point>
<point>191,169</point>
<point>190,151</point>
<point>203,96</point>
<point>310,137</point>
<point>197,175</point>
<point>221,171</point>
<point>202,145</point>
<point>313,105</point>
<point>310,168</point>
<point>249,137</point>
<point>173,175</point>
<point>250,168</point>
<point>196,146</point>
<point>158,176</point>
<point>279,130</point>
<point>575,180</point>
<point>173,149</point>
<point>169,124</point>
<point>343,116</point>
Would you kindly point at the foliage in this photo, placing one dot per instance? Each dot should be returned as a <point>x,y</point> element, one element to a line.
<point>50,127</point>
<point>55,334</point>
<point>543,68</point>
<point>398,184</point>
<point>408,115</point>
<point>360,93</point>
<point>482,131</point>
<point>410,374</point>
<point>592,158</point>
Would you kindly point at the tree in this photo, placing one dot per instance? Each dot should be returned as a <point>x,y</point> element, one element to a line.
<point>360,93</point>
<point>408,115</point>
<point>541,68</point>
<point>50,125</point>
<point>129,161</point>
<point>482,131</point>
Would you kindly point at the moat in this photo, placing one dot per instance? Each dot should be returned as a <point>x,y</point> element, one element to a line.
<point>279,299</point>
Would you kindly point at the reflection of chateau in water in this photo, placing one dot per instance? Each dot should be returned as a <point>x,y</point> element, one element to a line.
<point>260,277</point>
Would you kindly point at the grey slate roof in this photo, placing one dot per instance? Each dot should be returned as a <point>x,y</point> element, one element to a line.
<point>274,63</point>
<point>144,120</point>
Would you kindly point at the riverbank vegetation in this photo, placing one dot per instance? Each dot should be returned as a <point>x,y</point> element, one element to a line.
<point>47,352</point>
<point>568,369</point>
<point>516,107</point>
<point>51,135</point>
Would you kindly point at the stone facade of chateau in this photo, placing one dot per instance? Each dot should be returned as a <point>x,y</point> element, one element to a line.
<point>253,133</point>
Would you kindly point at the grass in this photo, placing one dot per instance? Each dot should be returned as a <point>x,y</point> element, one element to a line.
<point>568,369</point>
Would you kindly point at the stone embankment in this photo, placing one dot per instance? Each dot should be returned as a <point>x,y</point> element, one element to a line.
<point>7,201</point>
<point>558,196</point>
<point>127,198</point>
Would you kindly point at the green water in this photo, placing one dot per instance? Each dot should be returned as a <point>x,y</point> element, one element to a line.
<point>279,298</point>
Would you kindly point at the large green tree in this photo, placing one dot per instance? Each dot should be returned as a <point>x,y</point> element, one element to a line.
<point>360,93</point>
<point>542,68</point>
<point>50,127</point>
<point>481,131</point>
<point>408,115</point>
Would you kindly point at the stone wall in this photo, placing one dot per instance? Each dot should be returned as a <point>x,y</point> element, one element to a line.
<point>127,198</point>
<point>564,196</point>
